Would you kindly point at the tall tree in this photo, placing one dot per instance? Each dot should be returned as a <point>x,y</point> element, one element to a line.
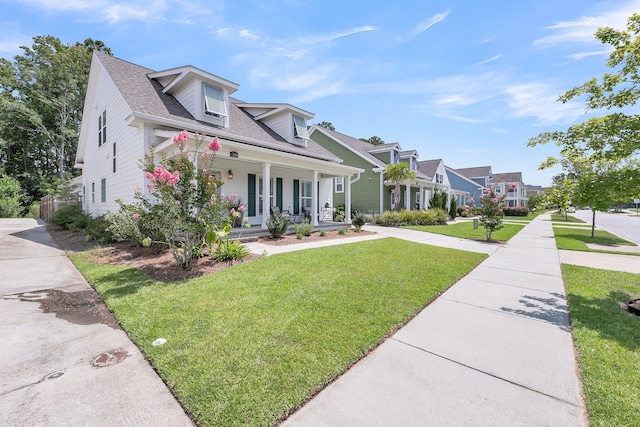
<point>398,173</point>
<point>327,125</point>
<point>615,135</point>
<point>41,100</point>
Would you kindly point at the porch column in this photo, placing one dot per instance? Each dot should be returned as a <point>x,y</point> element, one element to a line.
<point>347,200</point>
<point>407,197</point>
<point>314,199</point>
<point>266,193</point>
<point>381,193</point>
<point>422,197</point>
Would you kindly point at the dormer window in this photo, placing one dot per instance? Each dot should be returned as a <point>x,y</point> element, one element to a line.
<point>214,104</point>
<point>300,128</point>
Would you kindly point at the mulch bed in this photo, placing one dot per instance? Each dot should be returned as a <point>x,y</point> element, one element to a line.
<point>161,266</point>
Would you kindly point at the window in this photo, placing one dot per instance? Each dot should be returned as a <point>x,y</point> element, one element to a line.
<point>260,192</point>
<point>93,192</point>
<point>439,178</point>
<point>339,184</point>
<point>300,128</point>
<point>103,190</point>
<point>305,195</point>
<point>102,128</point>
<point>498,189</point>
<point>214,104</point>
<point>114,158</point>
<point>418,198</point>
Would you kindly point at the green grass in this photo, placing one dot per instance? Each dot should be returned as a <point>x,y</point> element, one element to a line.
<point>575,239</point>
<point>248,345</point>
<point>608,342</point>
<point>465,230</point>
<point>569,219</point>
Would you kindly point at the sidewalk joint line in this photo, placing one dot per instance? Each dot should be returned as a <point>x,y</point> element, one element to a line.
<point>487,373</point>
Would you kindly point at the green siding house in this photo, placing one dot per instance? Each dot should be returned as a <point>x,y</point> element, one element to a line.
<point>370,193</point>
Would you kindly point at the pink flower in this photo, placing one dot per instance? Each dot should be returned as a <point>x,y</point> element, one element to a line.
<point>213,199</point>
<point>233,197</point>
<point>136,216</point>
<point>470,200</point>
<point>494,200</point>
<point>513,186</point>
<point>232,211</point>
<point>181,138</point>
<point>214,145</point>
<point>149,175</point>
<point>241,208</point>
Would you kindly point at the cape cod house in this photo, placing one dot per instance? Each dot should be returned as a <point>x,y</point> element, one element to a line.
<point>267,157</point>
<point>371,194</point>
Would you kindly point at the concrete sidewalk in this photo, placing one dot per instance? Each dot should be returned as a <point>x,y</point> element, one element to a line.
<point>52,328</point>
<point>495,349</point>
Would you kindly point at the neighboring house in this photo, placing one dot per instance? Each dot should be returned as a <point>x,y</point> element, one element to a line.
<point>533,189</point>
<point>511,185</point>
<point>372,193</point>
<point>481,175</point>
<point>437,171</point>
<point>266,157</point>
<point>466,191</point>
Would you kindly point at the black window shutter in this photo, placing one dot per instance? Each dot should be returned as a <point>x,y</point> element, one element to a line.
<point>296,196</point>
<point>279,193</point>
<point>251,203</point>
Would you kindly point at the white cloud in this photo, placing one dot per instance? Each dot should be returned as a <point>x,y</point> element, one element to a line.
<point>495,58</point>
<point>334,36</point>
<point>458,118</point>
<point>540,101</point>
<point>247,34</point>
<point>582,55</point>
<point>423,26</point>
<point>582,29</point>
<point>106,10</point>
<point>456,99</point>
<point>302,81</point>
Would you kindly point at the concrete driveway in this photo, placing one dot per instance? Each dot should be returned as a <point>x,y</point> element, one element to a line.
<point>64,361</point>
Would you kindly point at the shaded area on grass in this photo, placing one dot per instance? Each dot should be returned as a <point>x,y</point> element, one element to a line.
<point>250,344</point>
<point>566,219</point>
<point>465,230</point>
<point>608,341</point>
<point>576,240</point>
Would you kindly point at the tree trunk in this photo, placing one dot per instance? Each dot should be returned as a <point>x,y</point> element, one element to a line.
<point>593,223</point>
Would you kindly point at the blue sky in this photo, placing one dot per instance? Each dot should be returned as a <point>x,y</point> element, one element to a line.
<point>466,81</point>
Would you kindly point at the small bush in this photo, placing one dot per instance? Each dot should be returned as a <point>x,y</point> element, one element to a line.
<point>515,211</point>
<point>277,225</point>
<point>358,221</point>
<point>323,233</point>
<point>71,217</point>
<point>463,211</point>
<point>416,217</point>
<point>453,209</point>
<point>230,251</point>
<point>98,229</point>
<point>11,196</point>
<point>343,231</point>
<point>34,209</point>
<point>303,229</point>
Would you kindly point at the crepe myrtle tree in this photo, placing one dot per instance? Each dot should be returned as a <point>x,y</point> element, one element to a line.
<point>491,212</point>
<point>185,204</point>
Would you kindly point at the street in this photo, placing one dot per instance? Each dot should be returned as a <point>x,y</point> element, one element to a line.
<point>622,224</point>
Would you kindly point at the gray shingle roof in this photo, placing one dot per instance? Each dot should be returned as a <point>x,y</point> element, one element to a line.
<point>507,177</point>
<point>144,95</point>
<point>360,147</point>
<point>475,172</point>
<point>429,167</point>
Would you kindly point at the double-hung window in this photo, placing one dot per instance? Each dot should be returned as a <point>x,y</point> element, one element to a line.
<point>103,190</point>
<point>214,104</point>
<point>102,128</point>
<point>305,195</point>
<point>339,184</point>
<point>300,128</point>
<point>114,168</point>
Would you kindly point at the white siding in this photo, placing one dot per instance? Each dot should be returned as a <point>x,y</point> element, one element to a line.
<point>282,124</point>
<point>187,97</point>
<point>98,163</point>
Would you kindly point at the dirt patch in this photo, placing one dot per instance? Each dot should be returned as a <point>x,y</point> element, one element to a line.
<point>161,266</point>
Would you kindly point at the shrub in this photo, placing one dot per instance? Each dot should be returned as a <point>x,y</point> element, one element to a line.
<point>491,213</point>
<point>515,211</point>
<point>343,231</point>
<point>463,211</point>
<point>277,225</point>
<point>453,209</point>
<point>415,217</point>
<point>303,229</point>
<point>230,251</point>
<point>323,233</point>
<point>34,209</point>
<point>439,200</point>
<point>98,229</point>
<point>11,196</point>
<point>338,214</point>
<point>71,217</point>
<point>358,221</point>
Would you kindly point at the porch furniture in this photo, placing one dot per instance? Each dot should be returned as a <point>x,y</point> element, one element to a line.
<point>326,214</point>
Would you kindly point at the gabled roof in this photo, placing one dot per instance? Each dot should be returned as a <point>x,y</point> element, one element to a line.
<point>146,98</point>
<point>408,153</point>
<point>176,76</point>
<point>429,167</point>
<point>465,178</point>
<point>272,109</point>
<point>508,177</point>
<point>357,146</point>
<point>475,172</point>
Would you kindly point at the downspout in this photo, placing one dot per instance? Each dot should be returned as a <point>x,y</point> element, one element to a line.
<point>347,206</point>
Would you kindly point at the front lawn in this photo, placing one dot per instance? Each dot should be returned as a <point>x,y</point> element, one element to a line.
<point>248,345</point>
<point>576,239</point>
<point>565,219</point>
<point>464,230</point>
<point>608,342</point>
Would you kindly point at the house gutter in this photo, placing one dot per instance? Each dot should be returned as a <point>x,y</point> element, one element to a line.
<point>232,137</point>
